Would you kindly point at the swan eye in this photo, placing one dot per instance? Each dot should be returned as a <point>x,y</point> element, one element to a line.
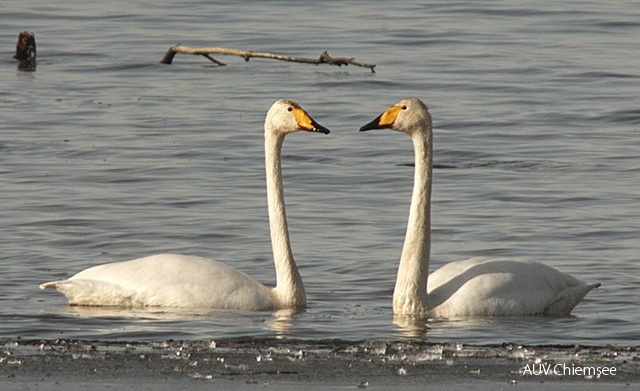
<point>404,107</point>
<point>289,108</point>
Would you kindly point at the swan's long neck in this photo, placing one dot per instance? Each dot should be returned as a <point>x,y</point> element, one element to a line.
<point>410,294</point>
<point>289,290</point>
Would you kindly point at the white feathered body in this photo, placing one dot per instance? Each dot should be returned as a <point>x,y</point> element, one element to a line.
<point>166,280</point>
<point>501,287</point>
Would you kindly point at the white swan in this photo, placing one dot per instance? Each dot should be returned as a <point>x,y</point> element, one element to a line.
<point>170,280</point>
<point>473,287</point>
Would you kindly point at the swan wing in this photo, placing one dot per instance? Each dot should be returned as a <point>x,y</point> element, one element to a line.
<point>490,287</point>
<point>167,280</point>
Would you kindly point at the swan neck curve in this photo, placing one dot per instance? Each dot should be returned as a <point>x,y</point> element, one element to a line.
<point>410,293</point>
<point>289,290</point>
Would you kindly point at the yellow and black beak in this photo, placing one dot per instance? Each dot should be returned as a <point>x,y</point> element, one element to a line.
<point>305,122</point>
<point>384,120</point>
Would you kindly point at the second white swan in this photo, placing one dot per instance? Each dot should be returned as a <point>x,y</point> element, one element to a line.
<point>473,287</point>
<point>171,280</point>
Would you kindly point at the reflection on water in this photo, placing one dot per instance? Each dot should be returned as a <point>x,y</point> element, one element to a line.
<point>410,327</point>
<point>152,320</point>
<point>281,322</point>
<point>142,313</point>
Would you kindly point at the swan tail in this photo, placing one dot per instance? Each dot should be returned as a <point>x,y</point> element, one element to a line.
<point>50,285</point>
<point>569,298</point>
<point>92,293</point>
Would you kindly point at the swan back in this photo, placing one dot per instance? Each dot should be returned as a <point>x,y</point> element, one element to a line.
<point>490,287</point>
<point>166,280</point>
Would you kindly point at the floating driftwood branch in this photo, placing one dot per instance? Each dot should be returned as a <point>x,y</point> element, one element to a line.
<point>206,52</point>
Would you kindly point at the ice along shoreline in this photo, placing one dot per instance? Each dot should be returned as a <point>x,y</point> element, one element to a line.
<point>269,361</point>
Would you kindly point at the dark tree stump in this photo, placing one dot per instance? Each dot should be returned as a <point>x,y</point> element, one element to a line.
<point>26,51</point>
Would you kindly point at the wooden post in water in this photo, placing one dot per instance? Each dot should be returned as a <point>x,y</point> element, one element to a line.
<point>26,51</point>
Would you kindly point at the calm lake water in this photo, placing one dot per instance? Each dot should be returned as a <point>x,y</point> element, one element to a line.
<point>107,155</point>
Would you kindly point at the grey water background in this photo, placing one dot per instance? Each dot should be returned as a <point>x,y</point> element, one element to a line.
<point>107,155</point>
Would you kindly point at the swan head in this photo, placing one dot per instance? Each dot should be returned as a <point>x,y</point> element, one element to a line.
<point>409,115</point>
<point>286,116</point>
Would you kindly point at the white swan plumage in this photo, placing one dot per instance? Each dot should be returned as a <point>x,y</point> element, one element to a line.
<point>472,287</point>
<point>172,280</point>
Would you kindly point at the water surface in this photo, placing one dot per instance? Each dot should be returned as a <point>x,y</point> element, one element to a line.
<point>107,155</point>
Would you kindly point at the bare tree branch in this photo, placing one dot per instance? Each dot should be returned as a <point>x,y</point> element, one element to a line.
<point>324,58</point>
